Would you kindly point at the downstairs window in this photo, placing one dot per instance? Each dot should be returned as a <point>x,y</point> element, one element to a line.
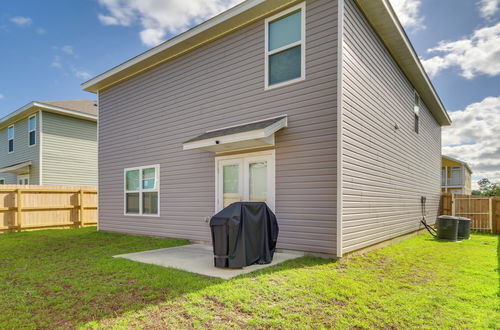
<point>142,190</point>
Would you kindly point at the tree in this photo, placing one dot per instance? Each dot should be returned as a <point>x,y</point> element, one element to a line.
<point>488,188</point>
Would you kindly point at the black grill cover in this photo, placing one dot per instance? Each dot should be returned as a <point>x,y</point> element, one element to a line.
<point>244,233</point>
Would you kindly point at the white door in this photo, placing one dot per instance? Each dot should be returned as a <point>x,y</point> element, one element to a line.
<point>245,178</point>
<point>23,179</point>
<point>230,182</point>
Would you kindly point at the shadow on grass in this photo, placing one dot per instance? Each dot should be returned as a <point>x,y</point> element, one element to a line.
<point>65,278</point>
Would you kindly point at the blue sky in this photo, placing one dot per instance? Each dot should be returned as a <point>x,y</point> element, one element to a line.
<point>49,47</point>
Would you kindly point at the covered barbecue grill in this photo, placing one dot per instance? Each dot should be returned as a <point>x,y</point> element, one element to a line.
<point>244,233</point>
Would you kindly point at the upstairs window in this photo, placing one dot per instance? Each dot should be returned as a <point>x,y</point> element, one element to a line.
<point>32,130</point>
<point>416,110</point>
<point>285,47</point>
<point>142,190</point>
<point>10,137</point>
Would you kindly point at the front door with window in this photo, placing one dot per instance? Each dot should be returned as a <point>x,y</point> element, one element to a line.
<point>247,177</point>
<point>23,179</point>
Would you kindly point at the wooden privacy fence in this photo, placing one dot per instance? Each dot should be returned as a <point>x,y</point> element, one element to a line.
<point>484,211</point>
<point>25,207</point>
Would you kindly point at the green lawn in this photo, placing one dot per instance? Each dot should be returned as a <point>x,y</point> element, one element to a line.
<point>67,278</point>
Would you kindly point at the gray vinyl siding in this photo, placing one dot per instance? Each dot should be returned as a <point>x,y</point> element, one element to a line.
<point>385,171</point>
<point>22,151</point>
<point>144,120</point>
<point>69,151</point>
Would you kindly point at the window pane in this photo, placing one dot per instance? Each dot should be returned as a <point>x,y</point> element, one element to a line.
<point>149,178</point>
<point>285,65</point>
<point>231,184</point>
<point>11,145</point>
<point>32,123</point>
<point>132,201</point>
<point>150,203</point>
<point>32,138</point>
<point>11,132</point>
<point>132,180</point>
<point>285,30</point>
<point>258,182</point>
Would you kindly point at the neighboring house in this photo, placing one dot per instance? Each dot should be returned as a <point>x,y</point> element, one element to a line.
<point>50,143</point>
<point>455,176</point>
<point>320,108</point>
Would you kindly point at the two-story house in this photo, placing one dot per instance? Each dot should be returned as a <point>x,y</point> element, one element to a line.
<point>320,108</point>
<point>456,176</point>
<point>50,143</point>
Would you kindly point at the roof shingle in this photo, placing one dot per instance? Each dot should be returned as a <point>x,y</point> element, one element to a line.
<point>84,106</point>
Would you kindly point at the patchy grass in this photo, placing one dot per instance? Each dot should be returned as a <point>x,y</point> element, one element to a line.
<point>61,278</point>
<point>67,278</point>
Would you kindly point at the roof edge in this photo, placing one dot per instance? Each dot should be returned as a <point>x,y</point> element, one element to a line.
<point>378,13</point>
<point>90,85</point>
<point>458,161</point>
<point>33,104</point>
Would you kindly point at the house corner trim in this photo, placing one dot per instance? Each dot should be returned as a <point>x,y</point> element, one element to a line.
<point>340,40</point>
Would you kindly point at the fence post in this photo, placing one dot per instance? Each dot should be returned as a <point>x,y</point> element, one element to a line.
<point>490,215</point>
<point>19,213</point>
<point>452,204</point>
<point>81,208</point>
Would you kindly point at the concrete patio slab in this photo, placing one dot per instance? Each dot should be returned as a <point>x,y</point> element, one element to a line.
<point>199,259</point>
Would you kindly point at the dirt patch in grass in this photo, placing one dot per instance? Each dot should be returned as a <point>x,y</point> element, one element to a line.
<point>62,278</point>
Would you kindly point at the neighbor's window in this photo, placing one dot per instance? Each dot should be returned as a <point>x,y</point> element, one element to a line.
<point>2,181</point>
<point>10,133</point>
<point>32,130</point>
<point>142,190</point>
<point>416,109</point>
<point>285,47</point>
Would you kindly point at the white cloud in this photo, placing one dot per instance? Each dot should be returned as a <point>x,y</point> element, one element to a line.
<point>488,8</point>
<point>158,18</point>
<point>21,21</point>
<point>56,62</point>
<point>80,74</point>
<point>473,137</point>
<point>408,12</point>
<point>479,54</point>
<point>67,49</point>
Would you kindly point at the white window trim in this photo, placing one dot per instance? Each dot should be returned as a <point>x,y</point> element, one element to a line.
<point>13,138</point>
<point>271,180</point>
<point>416,111</point>
<point>416,108</point>
<point>140,191</point>
<point>302,43</point>
<point>33,130</point>
<point>23,177</point>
